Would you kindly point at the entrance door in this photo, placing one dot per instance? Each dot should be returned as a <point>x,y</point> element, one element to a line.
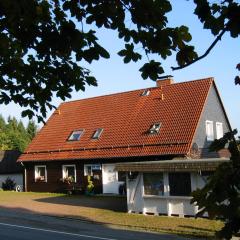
<point>110,179</point>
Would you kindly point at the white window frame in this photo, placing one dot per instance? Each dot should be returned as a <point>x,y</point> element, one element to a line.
<point>209,131</point>
<point>163,184</point>
<point>92,168</point>
<point>219,131</point>
<point>36,175</point>
<point>64,173</point>
<point>97,134</point>
<point>155,128</point>
<point>79,131</point>
<point>145,92</point>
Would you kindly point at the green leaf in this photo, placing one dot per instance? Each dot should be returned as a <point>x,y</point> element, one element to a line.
<point>151,70</point>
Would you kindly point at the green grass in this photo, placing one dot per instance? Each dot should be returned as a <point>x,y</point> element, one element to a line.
<point>62,205</point>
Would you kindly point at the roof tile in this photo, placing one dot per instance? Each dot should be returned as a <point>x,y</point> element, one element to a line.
<point>125,118</point>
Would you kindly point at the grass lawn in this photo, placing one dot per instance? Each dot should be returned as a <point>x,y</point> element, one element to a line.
<point>106,210</point>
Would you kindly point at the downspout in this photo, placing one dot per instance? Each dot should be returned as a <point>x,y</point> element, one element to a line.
<point>24,178</point>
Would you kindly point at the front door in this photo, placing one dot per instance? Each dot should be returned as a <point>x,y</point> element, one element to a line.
<point>110,179</point>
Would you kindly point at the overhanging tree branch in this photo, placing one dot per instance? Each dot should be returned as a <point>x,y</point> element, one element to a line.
<point>218,38</point>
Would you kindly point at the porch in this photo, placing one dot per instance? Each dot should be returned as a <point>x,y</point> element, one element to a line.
<point>164,187</point>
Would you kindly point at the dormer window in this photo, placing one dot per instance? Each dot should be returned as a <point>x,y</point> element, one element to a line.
<point>146,92</point>
<point>97,133</point>
<point>75,135</point>
<point>155,128</point>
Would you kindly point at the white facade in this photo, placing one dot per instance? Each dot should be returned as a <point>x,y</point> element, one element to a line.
<point>17,178</point>
<point>110,179</point>
<point>139,202</point>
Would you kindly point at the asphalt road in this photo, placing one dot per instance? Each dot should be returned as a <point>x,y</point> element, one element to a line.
<point>15,225</point>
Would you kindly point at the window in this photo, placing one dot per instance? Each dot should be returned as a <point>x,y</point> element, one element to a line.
<point>155,128</point>
<point>209,130</point>
<point>153,184</point>
<point>97,133</point>
<point>179,183</point>
<point>219,130</point>
<point>146,92</point>
<point>69,173</point>
<point>90,168</point>
<point>40,173</point>
<point>75,135</point>
<point>205,175</point>
<point>121,176</point>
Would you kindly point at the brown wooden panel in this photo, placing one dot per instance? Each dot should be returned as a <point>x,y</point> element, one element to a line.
<point>54,175</point>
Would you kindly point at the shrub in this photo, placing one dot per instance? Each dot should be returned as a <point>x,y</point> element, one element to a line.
<point>9,184</point>
<point>90,185</point>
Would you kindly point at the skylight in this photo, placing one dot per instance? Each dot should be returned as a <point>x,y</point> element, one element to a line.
<point>97,133</point>
<point>75,135</point>
<point>146,92</point>
<point>155,128</point>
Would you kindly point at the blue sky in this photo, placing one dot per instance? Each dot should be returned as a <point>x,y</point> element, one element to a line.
<point>115,76</point>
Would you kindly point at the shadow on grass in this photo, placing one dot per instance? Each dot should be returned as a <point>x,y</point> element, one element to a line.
<point>197,228</point>
<point>117,204</point>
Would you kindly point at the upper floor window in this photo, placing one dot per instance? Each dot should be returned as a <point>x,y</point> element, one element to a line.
<point>69,173</point>
<point>209,130</point>
<point>40,173</point>
<point>97,133</point>
<point>146,92</point>
<point>75,135</point>
<point>219,130</point>
<point>155,128</point>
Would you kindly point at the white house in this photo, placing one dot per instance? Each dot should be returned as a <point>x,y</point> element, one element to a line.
<point>10,168</point>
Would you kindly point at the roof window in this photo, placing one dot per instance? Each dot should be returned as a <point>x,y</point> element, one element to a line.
<point>97,133</point>
<point>75,135</point>
<point>155,128</point>
<point>146,92</point>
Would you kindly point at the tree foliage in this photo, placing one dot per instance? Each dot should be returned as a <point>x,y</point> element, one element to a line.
<point>220,197</point>
<point>13,134</point>
<point>44,45</point>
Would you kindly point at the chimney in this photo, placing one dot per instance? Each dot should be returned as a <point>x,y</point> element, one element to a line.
<point>165,80</point>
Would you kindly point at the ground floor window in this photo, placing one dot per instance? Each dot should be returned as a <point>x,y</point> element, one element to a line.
<point>121,176</point>
<point>69,173</point>
<point>89,169</point>
<point>153,184</point>
<point>40,173</point>
<point>179,183</point>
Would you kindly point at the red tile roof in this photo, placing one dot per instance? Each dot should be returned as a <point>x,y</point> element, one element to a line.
<point>125,117</point>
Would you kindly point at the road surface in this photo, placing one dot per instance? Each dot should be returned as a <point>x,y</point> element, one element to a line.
<point>15,225</point>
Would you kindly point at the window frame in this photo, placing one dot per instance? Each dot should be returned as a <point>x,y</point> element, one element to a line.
<point>36,176</point>
<point>217,130</point>
<point>153,129</point>
<point>64,171</point>
<point>97,135</point>
<point>175,186</point>
<point>210,136</point>
<point>145,92</point>
<point>93,167</point>
<point>154,190</point>
<point>73,132</point>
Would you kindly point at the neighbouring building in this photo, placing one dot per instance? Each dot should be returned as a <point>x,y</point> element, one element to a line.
<point>170,122</point>
<point>10,168</point>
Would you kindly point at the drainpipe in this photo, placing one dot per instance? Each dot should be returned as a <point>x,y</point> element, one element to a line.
<point>24,178</point>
